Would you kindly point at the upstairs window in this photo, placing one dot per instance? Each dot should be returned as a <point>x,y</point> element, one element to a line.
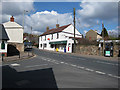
<point>52,36</point>
<point>57,35</point>
<point>45,37</point>
<point>3,45</point>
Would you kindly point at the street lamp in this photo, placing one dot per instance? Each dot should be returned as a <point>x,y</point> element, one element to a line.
<point>23,17</point>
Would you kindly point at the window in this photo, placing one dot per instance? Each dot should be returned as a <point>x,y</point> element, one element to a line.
<point>52,36</point>
<point>45,45</point>
<point>52,46</point>
<point>57,35</point>
<point>3,45</point>
<point>41,45</point>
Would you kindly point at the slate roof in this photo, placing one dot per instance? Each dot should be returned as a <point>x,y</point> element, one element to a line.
<point>55,30</point>
<point>3,34</point>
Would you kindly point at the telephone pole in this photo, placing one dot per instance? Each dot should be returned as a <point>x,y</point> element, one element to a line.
<point>31,33</point>
<point>103,36</point>
<point>74,31</point>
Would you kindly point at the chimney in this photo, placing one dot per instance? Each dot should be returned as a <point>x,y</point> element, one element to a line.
<point>47,28</point>
<point>57,25</point>
<point>12,19</point>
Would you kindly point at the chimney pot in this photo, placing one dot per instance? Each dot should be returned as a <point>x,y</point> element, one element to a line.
<point>12,19</point>
<point>57,25</point>
<point>47,28</point>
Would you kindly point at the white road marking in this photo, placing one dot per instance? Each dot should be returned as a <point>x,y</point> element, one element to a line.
<point>113,76</point>
<point>15,64</point>
<point>66,63</point>
<point>81,67</point>
<point>73,65</point>
<point>61,62</point>
<point>99,72</point>
<point>106,63</point>
<point>89,69</point>
<point>36,65</point>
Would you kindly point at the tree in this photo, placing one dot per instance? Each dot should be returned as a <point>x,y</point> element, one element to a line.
<point>104,33</point>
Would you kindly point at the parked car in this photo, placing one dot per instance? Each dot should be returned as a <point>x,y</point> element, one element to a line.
<point>27,45</point>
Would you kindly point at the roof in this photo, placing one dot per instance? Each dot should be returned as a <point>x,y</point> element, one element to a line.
<point>10,24</point>
<point>55,30</point>
<point>3,34</point>
<point>94,31</point>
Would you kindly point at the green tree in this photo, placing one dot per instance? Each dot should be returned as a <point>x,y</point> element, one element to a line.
<point>104,33</point>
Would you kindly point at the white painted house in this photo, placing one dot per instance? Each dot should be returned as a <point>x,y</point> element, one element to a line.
<point>59,38</point>
<point>15,33</point>
<point>3,41</point>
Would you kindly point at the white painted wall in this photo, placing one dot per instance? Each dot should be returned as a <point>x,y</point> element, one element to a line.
<point>63,36</point>
<point>3,50</point>
<point>14,32</point>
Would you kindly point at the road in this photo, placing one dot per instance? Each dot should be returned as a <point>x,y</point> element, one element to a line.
<point>57,70</point>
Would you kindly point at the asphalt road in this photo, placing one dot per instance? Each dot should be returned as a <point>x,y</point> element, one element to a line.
<point>56,70</point>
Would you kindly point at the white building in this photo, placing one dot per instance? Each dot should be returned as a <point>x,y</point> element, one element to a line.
<point>59,38</point>
<point>3,40</point>
<point>15,33</point>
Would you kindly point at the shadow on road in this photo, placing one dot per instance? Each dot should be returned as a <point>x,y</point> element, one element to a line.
<point>43,78</point>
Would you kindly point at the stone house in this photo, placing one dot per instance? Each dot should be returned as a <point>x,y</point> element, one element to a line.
<point>92,35</point>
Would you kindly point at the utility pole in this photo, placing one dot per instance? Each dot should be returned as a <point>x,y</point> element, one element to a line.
<point>103,38</point>
<point>74,32</point>
<point>31,33</point>
<point>23,17</point>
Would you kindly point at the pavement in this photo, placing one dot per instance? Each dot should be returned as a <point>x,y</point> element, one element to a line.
<point>57,70</point>
<point>23,55</point>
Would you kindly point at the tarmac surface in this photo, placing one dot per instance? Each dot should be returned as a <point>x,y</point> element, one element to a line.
<point>60,70</point>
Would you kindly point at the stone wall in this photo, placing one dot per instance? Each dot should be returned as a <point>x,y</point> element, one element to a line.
<point>87,49</point>
<point>94,50</point>
<point>116,50</point>
<point>19,46</point>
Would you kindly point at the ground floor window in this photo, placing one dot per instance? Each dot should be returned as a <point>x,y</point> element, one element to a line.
<point>3,45</point>
<point>45,45</point>
<point>40,45</point>
<point>52,45</point>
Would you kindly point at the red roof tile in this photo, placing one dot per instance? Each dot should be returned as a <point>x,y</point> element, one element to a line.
<point>55,30</point>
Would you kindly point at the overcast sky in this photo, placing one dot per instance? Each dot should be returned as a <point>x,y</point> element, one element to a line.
<point>89,14</point>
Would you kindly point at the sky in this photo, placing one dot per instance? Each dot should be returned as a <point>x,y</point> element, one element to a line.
<point>89,14</point>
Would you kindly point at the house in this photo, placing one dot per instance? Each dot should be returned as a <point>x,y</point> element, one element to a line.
<point>59,38</point>
<point>3,40</point>
<point>93,35</point>
<point>15,34</point>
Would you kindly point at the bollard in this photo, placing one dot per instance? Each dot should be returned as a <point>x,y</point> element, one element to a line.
<point>32,52</point>
<point>28,53</point>
<point>19,55</point>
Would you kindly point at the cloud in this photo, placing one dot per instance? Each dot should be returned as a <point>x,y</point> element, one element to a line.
<point>15,8</point>
<point>91,12</point>
<point>40,20</point>
<point>113,32</point>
